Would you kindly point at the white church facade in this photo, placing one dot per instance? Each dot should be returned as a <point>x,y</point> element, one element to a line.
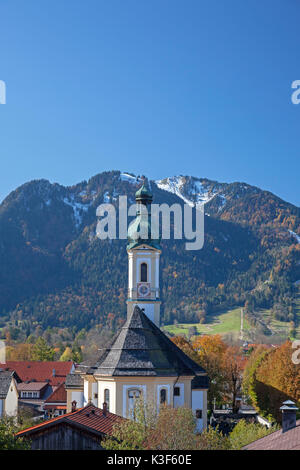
<point>141,360</point>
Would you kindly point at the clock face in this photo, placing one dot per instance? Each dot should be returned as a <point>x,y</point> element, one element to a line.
<point>143,289</point>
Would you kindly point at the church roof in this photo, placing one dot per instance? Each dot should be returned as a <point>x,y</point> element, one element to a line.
<point>142,349</point>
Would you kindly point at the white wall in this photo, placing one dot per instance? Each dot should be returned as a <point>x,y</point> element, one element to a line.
<point>78,397</point>
<point>197,404</point>
<point>263,421</point>
<point>11,401</point>
<point>85,392</point>
<point>179,401</point>
<point>111,386</point>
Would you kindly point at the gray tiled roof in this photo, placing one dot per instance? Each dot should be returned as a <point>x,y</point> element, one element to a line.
<point>289,440</point>
<point>142,349</point>
<point>200,381</point>
<point>5,381</point>
<point>74,381</point>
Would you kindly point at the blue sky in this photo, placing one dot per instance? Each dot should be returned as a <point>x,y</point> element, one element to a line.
<point>154,87</point>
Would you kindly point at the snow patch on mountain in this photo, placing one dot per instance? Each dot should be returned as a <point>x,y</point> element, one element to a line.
<point>78,208</point>
<point>191,190</point>
<point>174,185</point>
<point>294,235</point>
<point>130,178</point>
<point>106,197</point>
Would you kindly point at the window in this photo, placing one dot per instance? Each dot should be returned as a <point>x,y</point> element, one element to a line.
<point>176,391</point>
<point>163,396</point>
<point>144,272</point>
<point>199,414</point>
<point>133,395</point>
<point>106,397</point>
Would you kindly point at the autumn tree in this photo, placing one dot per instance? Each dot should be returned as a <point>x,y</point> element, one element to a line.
<point>174,430</point>
<point>66,355</point>
<point>187,347</point>
<point>170,429</point>
<point>19,352</point>
<point>131,434</point>
<point>210,351</point>
<point>232,370</point>
<point>270,378</point>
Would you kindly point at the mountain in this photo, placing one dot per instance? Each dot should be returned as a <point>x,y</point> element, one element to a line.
<point>55,272</point>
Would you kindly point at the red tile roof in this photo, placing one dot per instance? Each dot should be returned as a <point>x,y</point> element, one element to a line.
<point>289,440</point>
<point>40,371</point>
<point>89,417</point>
<point>58,396</point>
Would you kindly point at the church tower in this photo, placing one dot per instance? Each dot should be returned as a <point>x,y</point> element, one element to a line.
<point>141,361</point>
<point>143,260</point>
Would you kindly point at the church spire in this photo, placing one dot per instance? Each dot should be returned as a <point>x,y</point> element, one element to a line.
<point>143,260</point>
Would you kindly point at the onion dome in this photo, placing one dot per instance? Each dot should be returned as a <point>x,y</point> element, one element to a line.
<point>139,230</point>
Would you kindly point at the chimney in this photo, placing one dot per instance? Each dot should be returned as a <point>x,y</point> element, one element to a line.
<point>289,411</point>
<point>53,372</point>
<point>104,409</point>
<point>74,403</point>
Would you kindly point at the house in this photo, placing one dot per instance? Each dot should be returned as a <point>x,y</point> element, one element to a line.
<point>141,361</point>
<point>37,380</point>
<point>33,394</point>
<point>287,438</point>
<point>53,372</point>
<point>8,394</point>
<point>32,389</point>
<point>56,403</point>
<point>81,429</point>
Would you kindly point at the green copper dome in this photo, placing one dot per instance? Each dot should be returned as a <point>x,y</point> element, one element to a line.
<point>143,194</point>
<point>139,230</point>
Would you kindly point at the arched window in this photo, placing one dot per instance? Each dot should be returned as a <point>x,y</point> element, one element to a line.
<point>133,395</point>
<point>144,272</point>
<point>106,397</point>
<point>163,396</point>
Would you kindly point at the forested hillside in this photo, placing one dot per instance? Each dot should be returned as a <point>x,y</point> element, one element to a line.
<point>55,272</point>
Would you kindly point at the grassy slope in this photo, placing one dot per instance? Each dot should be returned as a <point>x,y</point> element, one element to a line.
<point>230,322</point>
<point>226,322</point>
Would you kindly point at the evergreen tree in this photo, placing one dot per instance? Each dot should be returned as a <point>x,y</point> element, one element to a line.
<point>41,351</point>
